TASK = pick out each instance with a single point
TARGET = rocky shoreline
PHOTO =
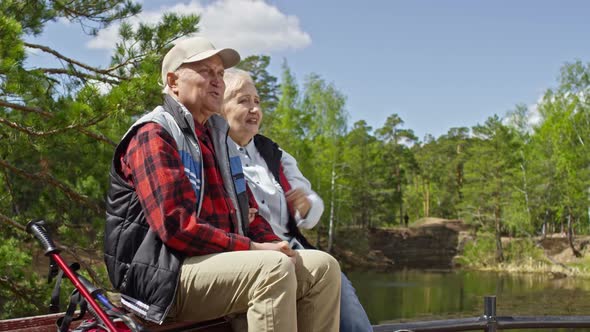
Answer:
(434, 244)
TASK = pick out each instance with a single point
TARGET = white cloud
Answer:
(33, 51)
(249, 26)
(106, 38)
(534, 115)
(103, 88)
(64, 21)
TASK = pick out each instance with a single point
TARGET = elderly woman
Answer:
(283, 194)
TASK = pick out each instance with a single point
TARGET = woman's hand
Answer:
(297, 202)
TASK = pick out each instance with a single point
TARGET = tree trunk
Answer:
(570, 234)
(318, 235)
(545, 229)
(331, 227)
(427, 199)
(319, 226)
(459, 172)
(499, 250)
(14, 203)
(525, 188)
(398, 190)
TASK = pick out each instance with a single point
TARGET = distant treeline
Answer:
(524, 173)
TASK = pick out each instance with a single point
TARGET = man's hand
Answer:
(297, 201)
(282, 246)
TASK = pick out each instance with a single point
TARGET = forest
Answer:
(521, 173)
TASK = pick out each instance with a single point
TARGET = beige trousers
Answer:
(275, 294)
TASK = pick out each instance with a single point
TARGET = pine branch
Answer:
(98, 14)
(31, 132)
(10, 190)
(50, 180)
(132, 60)
(83, 263)
(71, 12)
(7, 220)
(109, 71)
(20, 128)
(72, 61)
(27, 109)
(98, 137)
(21, 293)
(80, 75)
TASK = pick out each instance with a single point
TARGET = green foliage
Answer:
(59, 126)
(397, 161)
(288, 125)
(479, 252)
(22, 292)
(360, 206)
(505, 174)
(490, 176)
(517, 221)
(522, 251)
(438, 179)
(266, 84)
(560, 147)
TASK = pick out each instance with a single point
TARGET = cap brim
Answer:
(229, 57)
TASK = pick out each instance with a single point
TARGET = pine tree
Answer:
(489, 175)
(58, 128)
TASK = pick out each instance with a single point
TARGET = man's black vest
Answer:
(140, 265)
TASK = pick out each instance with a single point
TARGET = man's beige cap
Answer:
(196, 49)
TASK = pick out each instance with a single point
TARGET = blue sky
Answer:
(438, 64)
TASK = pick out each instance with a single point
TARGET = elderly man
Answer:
(178, 242)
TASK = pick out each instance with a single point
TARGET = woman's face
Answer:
(243, 112)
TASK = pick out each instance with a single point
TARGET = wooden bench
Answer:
(46, 323)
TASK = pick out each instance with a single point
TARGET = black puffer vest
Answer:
(270, 152)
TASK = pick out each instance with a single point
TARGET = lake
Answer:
(430, 295)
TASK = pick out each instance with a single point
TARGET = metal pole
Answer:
(489, 313)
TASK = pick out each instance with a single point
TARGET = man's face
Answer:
(199, 87)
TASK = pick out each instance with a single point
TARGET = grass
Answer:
(521, 255)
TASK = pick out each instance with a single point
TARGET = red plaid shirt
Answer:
(152, 165)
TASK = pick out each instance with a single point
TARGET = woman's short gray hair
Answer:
(235, 79)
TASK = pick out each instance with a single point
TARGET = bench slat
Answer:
(46, 323)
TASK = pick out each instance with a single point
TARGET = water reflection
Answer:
(420, 295)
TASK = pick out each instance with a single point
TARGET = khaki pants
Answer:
(275, 294)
